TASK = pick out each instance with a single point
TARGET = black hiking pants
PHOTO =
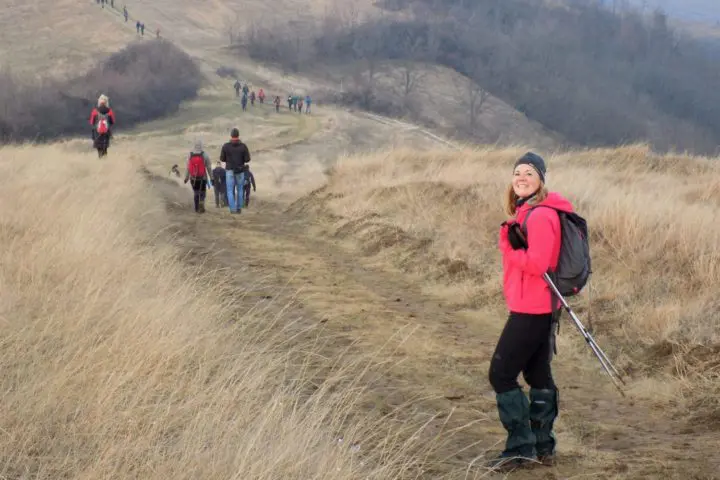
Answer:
(525, 345)
(246, 194)
(220, 194)
(199, 186)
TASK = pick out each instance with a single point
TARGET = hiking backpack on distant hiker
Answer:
(196, 165)
(102, 126)
(574, 265)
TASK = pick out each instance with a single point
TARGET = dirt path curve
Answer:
(441, 365)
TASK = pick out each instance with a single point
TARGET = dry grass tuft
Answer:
(119, 361)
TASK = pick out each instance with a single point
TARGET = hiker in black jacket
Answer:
(249, 180)
(219, 183)
(235, 155)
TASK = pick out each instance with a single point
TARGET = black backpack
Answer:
(574, 265)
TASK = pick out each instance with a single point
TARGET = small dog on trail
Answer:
(175, 170)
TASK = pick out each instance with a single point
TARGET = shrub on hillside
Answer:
(144, 81)
(227, 72)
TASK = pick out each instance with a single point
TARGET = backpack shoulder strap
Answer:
(525, 220)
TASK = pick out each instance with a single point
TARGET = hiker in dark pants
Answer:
(125, 13)
(527, 341)
(198, 173)
(219, 182)
(249, 180)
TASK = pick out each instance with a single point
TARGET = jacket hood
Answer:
(554, 200)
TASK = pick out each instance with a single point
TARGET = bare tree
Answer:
(366, 46)
(473, 96)
(411, 76)
(411, 71)
(232, 29)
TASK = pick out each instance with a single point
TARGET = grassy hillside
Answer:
(60, 37)
(120, 360)
(655, 243)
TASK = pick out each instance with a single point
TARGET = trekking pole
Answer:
(607, 365)
(604, 360)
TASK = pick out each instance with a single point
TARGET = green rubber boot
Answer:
(514, 410)
(543, 411)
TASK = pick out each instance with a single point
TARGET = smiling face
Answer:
(526, 181)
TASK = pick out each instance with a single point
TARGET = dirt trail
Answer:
(444, 360)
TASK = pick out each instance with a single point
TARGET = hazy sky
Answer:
(698, 10)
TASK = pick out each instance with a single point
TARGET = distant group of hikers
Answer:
(231, 178)
(139, 26)
(295, 102)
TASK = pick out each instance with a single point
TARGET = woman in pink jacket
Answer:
(526, 343)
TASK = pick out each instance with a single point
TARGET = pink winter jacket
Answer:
(523, 284)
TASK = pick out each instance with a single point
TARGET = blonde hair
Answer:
(103, 99)
(511, 198)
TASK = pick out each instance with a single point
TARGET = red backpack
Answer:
(103, 124)
(196, 165)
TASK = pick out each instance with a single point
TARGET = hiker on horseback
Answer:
(102, 119)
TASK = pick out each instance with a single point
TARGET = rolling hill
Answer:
(342, 326)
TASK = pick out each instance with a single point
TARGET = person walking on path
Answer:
(102, 120)
(234, 155)
(197, 171)
(249, 180)
(526, 344)
(220, 185)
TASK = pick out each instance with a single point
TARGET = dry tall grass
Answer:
(655, 238)
(120, 362)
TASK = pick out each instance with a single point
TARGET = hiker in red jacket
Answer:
(527, 342)
(102, 119)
